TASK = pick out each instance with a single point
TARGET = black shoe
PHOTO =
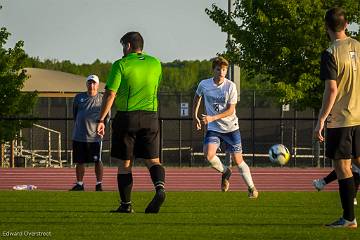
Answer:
(156, 202)
(77, 187)
(98, 187)
(123, 208)
(225, 184)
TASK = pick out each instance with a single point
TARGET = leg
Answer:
(210, 154)
(99, 170)
(157, 173)
(346, 187)
(245, 173)
(356, 174)
(215, 162)
(125, 183)
(340, 147)
(319, 184)
(80, 157)
(80, 172)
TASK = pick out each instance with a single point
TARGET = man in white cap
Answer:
(87, 144)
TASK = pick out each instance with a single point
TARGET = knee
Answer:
(209, 156)
(124, 167)
(152, 162)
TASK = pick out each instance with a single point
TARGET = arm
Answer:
(328, 101)
(228, 112)
(196, 105)
(107, 102)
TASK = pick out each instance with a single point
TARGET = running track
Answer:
(177, 179)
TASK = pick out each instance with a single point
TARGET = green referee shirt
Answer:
(135, 78)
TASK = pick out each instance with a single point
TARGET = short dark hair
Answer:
(135, 39)
(335, 19)
(219, 61)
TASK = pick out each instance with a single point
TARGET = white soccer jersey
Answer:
(216, 99)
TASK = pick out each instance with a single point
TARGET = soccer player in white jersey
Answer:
(220, 98)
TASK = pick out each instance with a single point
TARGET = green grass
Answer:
(185, 215)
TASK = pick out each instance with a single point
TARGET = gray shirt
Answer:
(86, 111)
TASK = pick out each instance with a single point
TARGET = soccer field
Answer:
(184, 215)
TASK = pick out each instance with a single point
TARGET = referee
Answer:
(133, 84)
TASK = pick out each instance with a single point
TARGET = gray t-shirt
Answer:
(86, 111)
(216, 100)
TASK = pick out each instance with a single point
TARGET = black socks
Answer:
(157, 173)
(356, 182)
(331, 177)
(125, 183)
(346, 190)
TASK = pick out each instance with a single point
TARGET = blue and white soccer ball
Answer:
(279, 154)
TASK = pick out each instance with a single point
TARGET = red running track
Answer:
(177, 179)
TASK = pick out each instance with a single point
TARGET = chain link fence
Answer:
(262, 122)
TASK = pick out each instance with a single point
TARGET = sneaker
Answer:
(225, 180)
(123, 208)
(156, 202)
(77, 187)
(319, 184)
(253, 192)
(98, 187)
(343, 223)
(355, 202)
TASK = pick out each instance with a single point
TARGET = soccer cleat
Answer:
(355, 202)
(156, 202)
(77, 187)
(98, 187)
(343, 223)
(253, 193)
(319, 184)
(123, 208)
(225, 180)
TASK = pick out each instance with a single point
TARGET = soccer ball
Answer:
(279, 154)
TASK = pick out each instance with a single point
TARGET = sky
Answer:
(85, 30)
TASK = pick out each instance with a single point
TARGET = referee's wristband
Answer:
(100, 121)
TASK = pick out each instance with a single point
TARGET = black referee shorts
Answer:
(343, 143)
(135, 135)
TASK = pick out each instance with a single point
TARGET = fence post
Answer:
(49, 150)
(316, 145)
(295, 137)
(253, 127)
(12, 154)
(180, 161)
(59, 150)
(161, 141)
(281, 125)
(2, 155)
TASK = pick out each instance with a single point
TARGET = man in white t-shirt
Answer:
(220, 98)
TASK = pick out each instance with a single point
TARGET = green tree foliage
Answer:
(12, 77)
(178, 76)
(97, 67)
(183, 76)
(283, 41)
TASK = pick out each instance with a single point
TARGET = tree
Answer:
(282, 40)
(13, 102)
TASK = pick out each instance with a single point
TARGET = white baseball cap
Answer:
(93, 78)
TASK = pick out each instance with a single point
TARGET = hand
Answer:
(318, 131)
(206, 119)
(197, 124)
(100, 129)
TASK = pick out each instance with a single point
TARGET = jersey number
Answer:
(216, 107)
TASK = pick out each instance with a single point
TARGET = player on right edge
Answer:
(220, 98)
(340, 69)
